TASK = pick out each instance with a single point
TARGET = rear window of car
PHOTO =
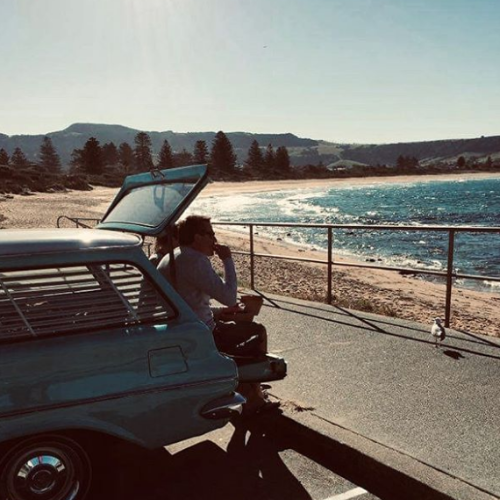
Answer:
(52, 301)
(149, 205)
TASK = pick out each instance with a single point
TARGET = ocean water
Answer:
(447, 203)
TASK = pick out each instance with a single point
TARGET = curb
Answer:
(381, 470)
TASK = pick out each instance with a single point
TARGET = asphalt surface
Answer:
(237, 462)
(382, 379)
(259, 465)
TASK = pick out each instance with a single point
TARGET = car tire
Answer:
(46, 467)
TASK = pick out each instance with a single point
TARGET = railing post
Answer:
(329, 293)
(252, 272)
(449, 277)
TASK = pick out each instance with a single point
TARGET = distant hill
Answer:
(75, 136)
(428, 150)
(302, 151)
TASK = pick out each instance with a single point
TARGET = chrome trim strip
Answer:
(225, 407)
(112, 397)
(77, 250)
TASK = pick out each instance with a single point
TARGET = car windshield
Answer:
(150, 205)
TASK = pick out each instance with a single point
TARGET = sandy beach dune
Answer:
(378, 291)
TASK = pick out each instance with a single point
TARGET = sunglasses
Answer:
(208, 233)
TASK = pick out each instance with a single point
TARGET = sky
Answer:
(346, 71)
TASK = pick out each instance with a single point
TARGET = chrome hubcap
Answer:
(57, 469)
(41, 474)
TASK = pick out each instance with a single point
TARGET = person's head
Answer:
(167, 241)
(196, 232)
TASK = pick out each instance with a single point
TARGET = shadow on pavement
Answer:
(453, 354)
(250, 468)
(371, 326)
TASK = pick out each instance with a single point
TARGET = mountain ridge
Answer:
(302, 151)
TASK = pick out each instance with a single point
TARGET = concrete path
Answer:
(381, 379)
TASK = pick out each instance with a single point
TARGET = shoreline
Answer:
(382, 292)
(248, 187)
(389, 293)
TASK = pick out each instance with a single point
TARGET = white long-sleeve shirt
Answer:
(197, 282)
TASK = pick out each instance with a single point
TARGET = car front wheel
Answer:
(45, 468)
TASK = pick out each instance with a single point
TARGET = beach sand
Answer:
(381, 292)
(225, 188)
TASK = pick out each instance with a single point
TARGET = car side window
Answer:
(65, 300)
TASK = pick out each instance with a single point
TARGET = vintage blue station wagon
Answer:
(96, 344)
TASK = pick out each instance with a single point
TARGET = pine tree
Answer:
(166, 156)
(90, 157)
(110, 154)
(200, 153)
(76, 162)
(269, 159)
(255, 159)
(126, 157)
(18, 158)
(142, 152)
(461, 162)
(4, 157)
(183, 158)
(282, 162)
(222, 157)
(48, 156)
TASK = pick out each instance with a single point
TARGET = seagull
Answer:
(438, 332)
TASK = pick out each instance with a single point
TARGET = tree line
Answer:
(95, 159)
(49, 158)
(108, 164)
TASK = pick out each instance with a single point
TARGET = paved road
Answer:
(233, 463)
(382, 378)
(376, 379)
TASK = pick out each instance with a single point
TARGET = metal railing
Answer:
(449, 273)
(84, 222)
